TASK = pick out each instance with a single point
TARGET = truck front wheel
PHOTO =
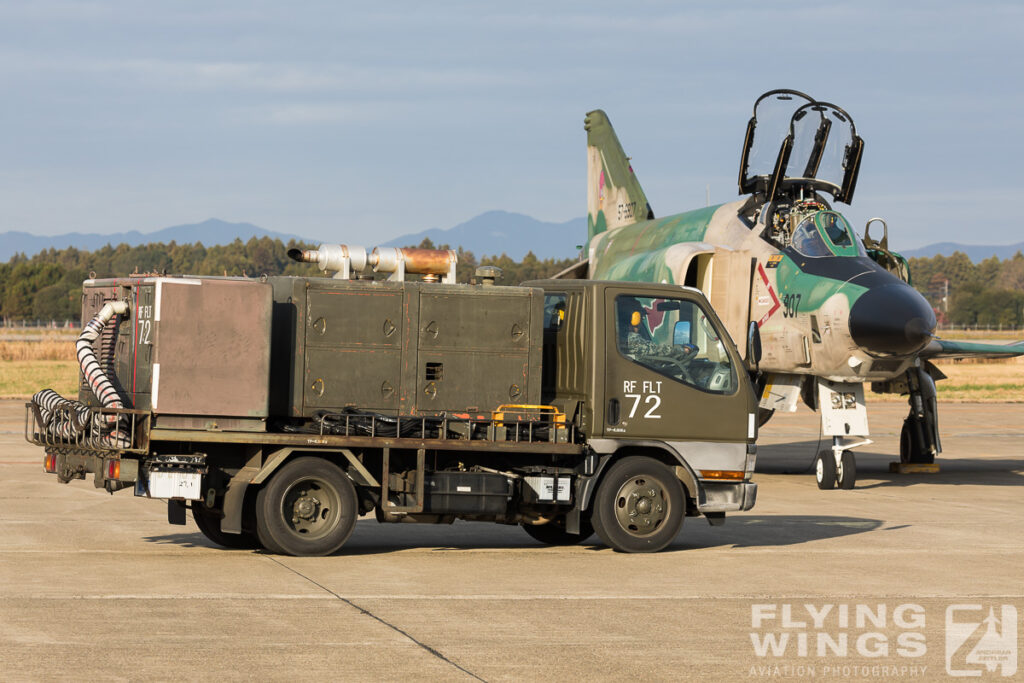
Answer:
(639, 506)
(309, 507)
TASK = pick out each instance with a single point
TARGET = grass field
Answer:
(45, 349)
(981, 335)
(22, 378)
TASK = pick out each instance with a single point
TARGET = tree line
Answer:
(48, 286)
(966, 293)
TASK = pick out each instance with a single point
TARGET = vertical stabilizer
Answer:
(614, 195)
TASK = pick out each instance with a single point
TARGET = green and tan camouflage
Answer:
(832, 315)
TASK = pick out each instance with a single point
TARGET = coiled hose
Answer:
(63, 417)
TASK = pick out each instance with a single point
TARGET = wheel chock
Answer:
(914, 468)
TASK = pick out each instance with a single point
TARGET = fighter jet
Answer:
(835, 310)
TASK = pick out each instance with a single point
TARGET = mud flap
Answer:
(176, 512)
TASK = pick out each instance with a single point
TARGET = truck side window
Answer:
(675, 338)
(554, 311)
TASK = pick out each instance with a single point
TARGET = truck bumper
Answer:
(726, 497)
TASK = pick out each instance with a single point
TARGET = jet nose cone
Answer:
(892, 320)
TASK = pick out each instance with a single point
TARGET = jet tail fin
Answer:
(614, 195)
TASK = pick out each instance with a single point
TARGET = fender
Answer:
(234, 498)
(606, 448)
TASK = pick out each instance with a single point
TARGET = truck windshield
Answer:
(675, 338)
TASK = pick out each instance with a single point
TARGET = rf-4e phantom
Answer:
(834, 310)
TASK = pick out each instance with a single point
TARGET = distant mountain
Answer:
(490, 233)
(514, 234)
(494, 232)
(209, 232)
(975, 252)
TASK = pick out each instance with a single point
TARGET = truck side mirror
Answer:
(754, 345)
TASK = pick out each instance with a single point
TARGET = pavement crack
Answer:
(370, 614)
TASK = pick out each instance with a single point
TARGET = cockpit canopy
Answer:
(794, 141)
(826, 233)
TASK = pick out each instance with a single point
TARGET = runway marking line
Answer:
(330, 595)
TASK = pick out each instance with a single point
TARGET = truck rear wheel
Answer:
(208, 522)
(309, 507)
(639, 506)
(554, 533)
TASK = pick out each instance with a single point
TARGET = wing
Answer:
(939, 348)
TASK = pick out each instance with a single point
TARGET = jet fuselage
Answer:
(831, 312)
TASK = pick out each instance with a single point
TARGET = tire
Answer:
(208, 522)
(825, 470)
(763, 416)
(911, 448)
(846, 475)
(554, 533)
(309, 507)
(639, 506)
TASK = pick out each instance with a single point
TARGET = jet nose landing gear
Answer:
(837, 466)
(844, 417)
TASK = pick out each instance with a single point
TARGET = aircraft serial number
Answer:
(627, 211)
(791, 302)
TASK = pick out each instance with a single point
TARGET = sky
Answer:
(360, 122)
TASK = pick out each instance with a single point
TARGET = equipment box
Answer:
(470, 493)
(191, 346)
(405, 348)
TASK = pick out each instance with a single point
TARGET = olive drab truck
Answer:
(280, 409)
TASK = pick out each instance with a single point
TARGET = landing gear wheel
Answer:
(846, 475)
(309, 507)
(554, 533)
(208, 522)
(639, 506)
(912, 450)
(825, 470)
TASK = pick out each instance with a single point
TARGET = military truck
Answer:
(280, 409)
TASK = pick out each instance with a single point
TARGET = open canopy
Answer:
(794, 141)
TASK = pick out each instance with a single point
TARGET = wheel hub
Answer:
(641, 506)
(307, 507)
(311, 507)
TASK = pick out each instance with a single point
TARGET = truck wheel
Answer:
(554, 533)
(309, 507)
(639, 506)
(208, 522)
(846, 475)
(825, 470)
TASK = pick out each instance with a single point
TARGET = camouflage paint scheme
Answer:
(830, 306)
(625, 246)
(649, 252)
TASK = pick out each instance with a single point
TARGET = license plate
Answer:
(175, 485)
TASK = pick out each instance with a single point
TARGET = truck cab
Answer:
(649, 368)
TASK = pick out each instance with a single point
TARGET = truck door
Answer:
(671, 371)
